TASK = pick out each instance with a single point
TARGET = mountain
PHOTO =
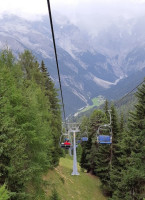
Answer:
(107, 64)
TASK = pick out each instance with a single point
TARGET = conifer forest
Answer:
(30, 126)
(30, 130)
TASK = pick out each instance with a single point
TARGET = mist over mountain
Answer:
(108, 64)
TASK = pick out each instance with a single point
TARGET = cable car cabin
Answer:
(104, 139)
(79, 141)
(104, 133)
(66, 144)
(84, 139)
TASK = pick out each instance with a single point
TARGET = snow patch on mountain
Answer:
(80, 96)
(103, 83)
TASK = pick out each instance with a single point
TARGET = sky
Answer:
(84, 13)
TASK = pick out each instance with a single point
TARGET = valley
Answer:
(72, 122)
(107, 64)
(98, 101)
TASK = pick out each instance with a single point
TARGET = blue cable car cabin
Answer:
(104, 139)
(78, 141)
(84, 139)
(104, 133)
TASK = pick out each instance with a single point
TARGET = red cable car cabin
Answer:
(66, 144)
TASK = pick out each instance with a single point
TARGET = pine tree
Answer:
(85, 145)
(30, 67)
(7, 57)
(79, 152)
(54, 195)
(89, 160)
(52, 95)
(50, 91)
(12, 143)
(106, 108)
(121, 125)
(27, 127)
(4, 194)
(131, 183)
(116, 135)
(114, 153)
(136, 157)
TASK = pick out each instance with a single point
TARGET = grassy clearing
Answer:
(83, 187)
(97, 101)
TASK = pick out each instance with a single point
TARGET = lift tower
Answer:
(73, 128)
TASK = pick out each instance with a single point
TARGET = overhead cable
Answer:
(56, 57)
(130, 91)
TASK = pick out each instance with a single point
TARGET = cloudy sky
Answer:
(85, 13)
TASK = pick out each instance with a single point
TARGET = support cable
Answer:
(129, 92)
(56, 57)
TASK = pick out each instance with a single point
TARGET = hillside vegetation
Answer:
(123, 106)
(120, 165)
(83, 187)
(30, 126)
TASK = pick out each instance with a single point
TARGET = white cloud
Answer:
(88, 14)
(93, 15)
(40, 6)
(24, 8)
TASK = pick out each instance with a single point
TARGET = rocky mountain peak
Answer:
(89, 66)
